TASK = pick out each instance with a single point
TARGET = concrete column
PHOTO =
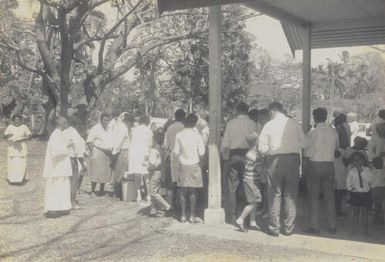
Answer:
(306, 88)
(215, 214)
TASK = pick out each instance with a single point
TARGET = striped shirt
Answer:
(254, 164)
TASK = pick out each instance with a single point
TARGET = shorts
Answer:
(252, 191)
(360, 199)
(378, 194)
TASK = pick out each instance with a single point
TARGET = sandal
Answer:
(183, 220)
(196, 220)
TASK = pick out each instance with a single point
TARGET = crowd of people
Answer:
(262, 151)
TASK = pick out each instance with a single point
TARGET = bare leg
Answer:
(182, 194)
(250, 208)
(193, 201)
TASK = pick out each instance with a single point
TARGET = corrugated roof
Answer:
(334, 23)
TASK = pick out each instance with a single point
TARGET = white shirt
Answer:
(120, 137)
(236, 133)
(77, 144)
(353, 180)
(17, 133)
(171, 133)
(378, 178)
(57, 161)
(140, 146)
(323, 142)
(281, 135)
(189, 146)
(100, 138)
(376, 144)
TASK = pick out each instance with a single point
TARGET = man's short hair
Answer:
(381, 114)
(243, 108)
(104, 114)
(320, 114)
(180, 115)
(191, 121)
(275, 106)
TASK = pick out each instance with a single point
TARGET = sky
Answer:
(268, 32)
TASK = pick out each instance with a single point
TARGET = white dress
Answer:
(17, 152)
(57, 171)
(140, 145)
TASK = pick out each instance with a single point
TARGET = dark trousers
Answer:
(321, 180)
(282, 184)
(235, 172)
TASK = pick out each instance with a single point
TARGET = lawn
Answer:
(107, 230)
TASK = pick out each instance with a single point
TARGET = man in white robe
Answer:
(57, 171)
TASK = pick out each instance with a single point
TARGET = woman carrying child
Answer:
(358, 183)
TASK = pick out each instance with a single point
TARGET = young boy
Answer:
(378, 189)
(359, 145)
(156, 174)
(251, 183)
(358, 183)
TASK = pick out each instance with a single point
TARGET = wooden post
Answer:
(306, 88)
(215, 214)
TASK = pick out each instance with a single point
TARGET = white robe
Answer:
(57, 171)
(140, 145)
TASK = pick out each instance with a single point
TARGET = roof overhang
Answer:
(333, 23)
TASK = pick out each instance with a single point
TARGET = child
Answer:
(156, 174)
(251, 184)
(358, 184)
(359, 145)
(378, 189)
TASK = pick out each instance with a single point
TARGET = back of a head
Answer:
(381, 114)
(180, 115)
(360, 142)
(144, 120)
(191, 121)
(253, 114)
(320, 114)
(275, 106)
(242, 108)
(340, 119)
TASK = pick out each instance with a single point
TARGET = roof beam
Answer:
(172, 5)
(270, 10)
(367, 22)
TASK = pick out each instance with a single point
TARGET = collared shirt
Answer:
(323, 142)
(77, 146)
(100, 138)
(353, 183)
(237, 131)
(16, 147)
(189, 146)
(171, 133)
(281, 135)
(378, 178)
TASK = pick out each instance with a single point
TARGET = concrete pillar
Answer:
(306, 88)
(215, 214)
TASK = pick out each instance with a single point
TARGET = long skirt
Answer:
(121, 166)
(100, 166)
(58, 194)
(190, 176)
(17, 166)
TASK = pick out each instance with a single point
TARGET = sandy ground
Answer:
(109, 230)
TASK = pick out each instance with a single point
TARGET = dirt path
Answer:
(108, 230)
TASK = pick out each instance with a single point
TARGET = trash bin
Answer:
(128, 187)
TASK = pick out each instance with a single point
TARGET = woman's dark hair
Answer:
(360, 142)
(144, 120)
(180, 115)
(191, 121)
(104, 114)
(320, 114)
(340, 119)
(253, 114)
(17, 116)
(158, 137)
(275, 106)
(378, 163)
(243, 108)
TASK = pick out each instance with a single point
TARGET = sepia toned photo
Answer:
(192, 130)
